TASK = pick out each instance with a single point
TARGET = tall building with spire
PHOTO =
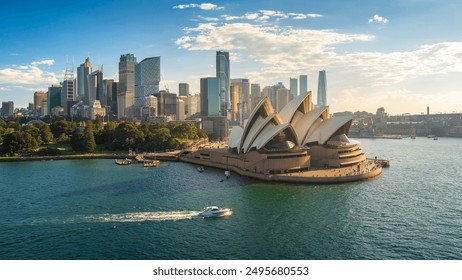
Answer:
(68, 90)
(223, 74)
(126, 86)
(322, 89)
(82, 79)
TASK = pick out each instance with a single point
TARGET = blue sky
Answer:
(403, 55)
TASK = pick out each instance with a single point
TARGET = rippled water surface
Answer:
(93, 209)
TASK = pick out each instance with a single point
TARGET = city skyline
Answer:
(400, 55)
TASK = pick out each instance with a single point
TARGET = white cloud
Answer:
(303, 16)
(48, 62)
(31, 74)
(203, 6)
(265, 15)
(377, 18)
(208, 18)
(277, 53)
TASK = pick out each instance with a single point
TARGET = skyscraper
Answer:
(82, 73)
(126, 90)
(241, 88)
(210, 97)
(273, 94)
(293, 87)
(54, 97)
(322, 89)
(183, 89)
(39, 96)
(95, 87)
(166, 103)
(222, 71)
(255, 94)
(68, 90)
(7, 109)
(303, 84)
(147, 79)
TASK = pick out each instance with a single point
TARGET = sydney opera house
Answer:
(298, 144)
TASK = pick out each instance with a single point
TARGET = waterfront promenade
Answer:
(364, 170)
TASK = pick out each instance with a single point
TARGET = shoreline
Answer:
(66, 157)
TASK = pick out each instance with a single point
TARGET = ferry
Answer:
(123, 161)
(214, 212)
(151, 163)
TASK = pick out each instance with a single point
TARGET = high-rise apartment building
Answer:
(273, 94)
(210, 97)
(303, 84)
(7, 109)
(322, 89)
(108, 92)
(282, 98)
(183, 89)
(39, 96)
(293, 87)
(195, 104)
(95, 87)
(67, 95)
(82, 75)
(255, 94)
(147, 79)
(54, 98)
(166, 103)
(126, 90)
(241, 93)
(223, 74)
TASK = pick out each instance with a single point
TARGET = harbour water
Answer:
(93, 209)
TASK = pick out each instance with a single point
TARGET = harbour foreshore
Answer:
(65, 157)
(364, 170)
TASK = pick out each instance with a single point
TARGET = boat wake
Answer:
(133, 217)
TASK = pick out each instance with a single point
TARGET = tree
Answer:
(17, 142)
(77, 140)
(127, 136)
(89, 140)
(34, 132)
(83, 140)
(45, 133)
(62, 126)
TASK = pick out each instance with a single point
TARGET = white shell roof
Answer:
(289, 110)
(270, 134)
(259, 129)
(253, 118)
(326, 129)
(235, 137)
(304, 125)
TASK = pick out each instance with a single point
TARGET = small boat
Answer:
(200, 169)
(123, 161)
(214, 212)
(151, 163)
(435, 138)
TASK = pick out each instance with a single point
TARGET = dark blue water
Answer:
(93, 209)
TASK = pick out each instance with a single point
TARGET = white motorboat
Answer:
(215, 212)
(200, 169)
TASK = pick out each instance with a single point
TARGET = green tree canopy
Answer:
(18, 142)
